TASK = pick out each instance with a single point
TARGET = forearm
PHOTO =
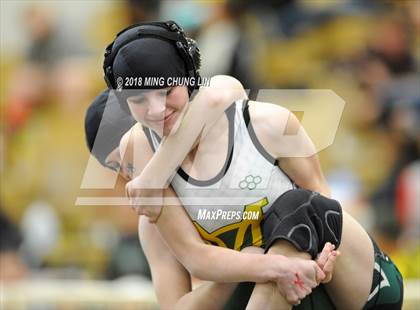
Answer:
(218, 264)
(213, 263)
(173, 149)
(212, 295)
(206, 108)
(207, 296)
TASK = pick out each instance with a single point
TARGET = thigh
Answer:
(240, 296)
(308, 221)
(352, 279)
(318, 299)
(387, 285)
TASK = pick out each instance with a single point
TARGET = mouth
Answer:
(167, 117)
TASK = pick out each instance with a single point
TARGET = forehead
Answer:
(136, 94)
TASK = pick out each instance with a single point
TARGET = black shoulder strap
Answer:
(149, 137)
(245, 112)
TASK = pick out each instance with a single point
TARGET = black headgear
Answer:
(105, 124)
(164, 40)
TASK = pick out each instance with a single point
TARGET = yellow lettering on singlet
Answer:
(241, 227)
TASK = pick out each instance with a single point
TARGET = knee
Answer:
(304, 219)
(284, 247)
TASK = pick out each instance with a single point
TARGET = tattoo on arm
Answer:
(130, 169)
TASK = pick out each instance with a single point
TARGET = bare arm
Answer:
(220, 264)
(207, 106)
(172, 281)
(286, 140)
(304, 171)
(216, 263)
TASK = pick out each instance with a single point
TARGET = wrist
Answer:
(148, 181)
(275, 264)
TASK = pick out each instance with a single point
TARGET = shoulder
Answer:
(222, 90)
(272, 125)
(133, 138)
(225, 81)
(269, 119)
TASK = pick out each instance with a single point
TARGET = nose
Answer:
(156, 107)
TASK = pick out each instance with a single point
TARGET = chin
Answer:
(174, 124)
(169, 131)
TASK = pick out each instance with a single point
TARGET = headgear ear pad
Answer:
(154, 49)
(105, 124)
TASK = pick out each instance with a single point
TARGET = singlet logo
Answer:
(238, 235)
(250, 182)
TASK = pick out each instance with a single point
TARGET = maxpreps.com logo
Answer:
(250, 182)
(309, 105)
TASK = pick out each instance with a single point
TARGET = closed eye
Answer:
(165, 93)
(137, 100)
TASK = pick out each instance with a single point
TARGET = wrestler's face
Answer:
(159, 109)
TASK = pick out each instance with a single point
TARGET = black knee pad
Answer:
(306, 219)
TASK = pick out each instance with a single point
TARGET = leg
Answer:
(351, 283)
(352, 279)
(266, 295)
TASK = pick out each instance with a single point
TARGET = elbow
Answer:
(194, 260)
(198, 271)
(222, 89)
(323, 188)
(326, 192)
(226, 81)
(193, 267)
(194, 271)
(214, 99)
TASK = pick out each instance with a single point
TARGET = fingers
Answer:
(292, 297)
(301, 294)
(329, 266)
(127, 193)
(320, 275)
(326, 261)
(136, 201)
(140, 210)
(157, 211)
(308, 274)
(152, 212)
(145, 210)
(314, 275)
(297, 293)
(323, 256)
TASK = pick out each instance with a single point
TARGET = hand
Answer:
(297, 277)
(144, 200)
(326, 261)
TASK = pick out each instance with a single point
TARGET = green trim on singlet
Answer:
(387, 286)
(386, 292)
